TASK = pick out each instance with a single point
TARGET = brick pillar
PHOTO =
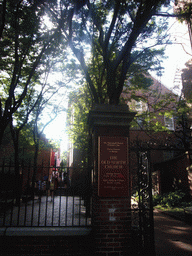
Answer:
(111, 199)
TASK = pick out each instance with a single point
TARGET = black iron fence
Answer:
(142, 225)
(44, 196)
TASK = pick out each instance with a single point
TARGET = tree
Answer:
(118, 33)
(77, 126)
(45, 100)
(64, 159)
(16, 128)
(185, 109)
(187, 80)
(185, 7)
(25, 43)
(156, 105)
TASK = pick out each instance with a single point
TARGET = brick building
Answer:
(154, 127)
(167, 150)
(46, 160)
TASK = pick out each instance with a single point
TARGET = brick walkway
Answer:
(62, 211)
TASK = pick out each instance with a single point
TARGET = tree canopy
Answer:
(25, 42)
(118, 39)
(115, 42)
(126, 40)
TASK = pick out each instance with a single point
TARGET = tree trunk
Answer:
(111, 86)
(114, 100)
(18, 176)
(2, 130)
(18, 179)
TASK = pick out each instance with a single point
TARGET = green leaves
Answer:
(25, 48)
(118, 35)
(77, 125)
(140, 81)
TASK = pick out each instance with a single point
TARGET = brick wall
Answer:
(111, 219)
(46, 245)
(174, 171)
(111, 224)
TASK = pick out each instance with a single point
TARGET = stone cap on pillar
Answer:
(110, 115)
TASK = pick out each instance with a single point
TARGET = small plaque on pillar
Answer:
(113, 166)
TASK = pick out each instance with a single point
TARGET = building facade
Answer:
(155, 128)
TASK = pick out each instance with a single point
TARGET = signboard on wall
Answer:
(113, 166)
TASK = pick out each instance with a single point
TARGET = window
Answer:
(168, 155)
(169, 122)
(138, 106)
(140, 122)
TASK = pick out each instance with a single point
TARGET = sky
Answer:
(57, 130)
(178, 54)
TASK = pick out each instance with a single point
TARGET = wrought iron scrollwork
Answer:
(142, 216)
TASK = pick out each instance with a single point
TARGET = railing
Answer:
(140, 228)
(28, 200)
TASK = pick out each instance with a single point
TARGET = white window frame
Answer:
(138, 106)
(169, 123)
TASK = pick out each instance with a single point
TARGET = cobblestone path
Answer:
(61, 211)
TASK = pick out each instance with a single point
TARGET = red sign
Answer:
(113, 166)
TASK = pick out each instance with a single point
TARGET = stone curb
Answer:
(44, 231)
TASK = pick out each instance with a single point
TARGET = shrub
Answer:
(171, 199)
(157, 199)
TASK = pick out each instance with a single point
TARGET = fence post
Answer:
(111, 203)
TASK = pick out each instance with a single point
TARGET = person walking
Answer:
(40, 188)
(52, 188)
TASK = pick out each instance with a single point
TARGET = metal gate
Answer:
(55, 196)
(142, 212)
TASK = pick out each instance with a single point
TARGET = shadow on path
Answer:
(172, 237)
